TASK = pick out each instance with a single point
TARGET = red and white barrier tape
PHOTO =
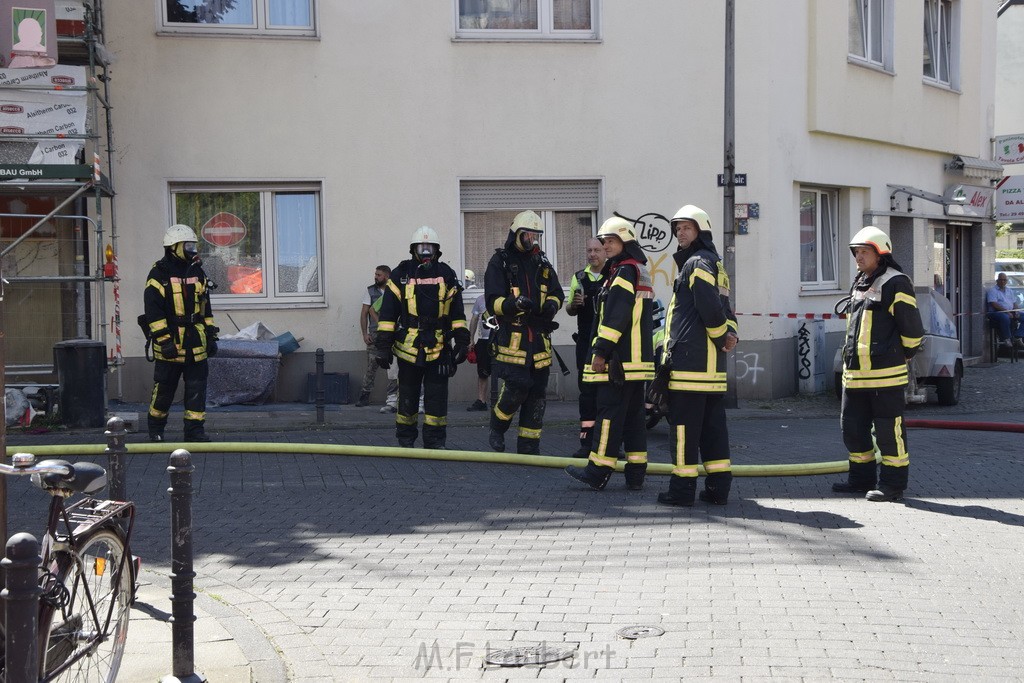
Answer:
(799, 316)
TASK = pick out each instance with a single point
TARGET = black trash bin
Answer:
(81, 375)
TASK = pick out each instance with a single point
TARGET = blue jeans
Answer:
(1003, 322)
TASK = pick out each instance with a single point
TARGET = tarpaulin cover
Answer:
(243, 372)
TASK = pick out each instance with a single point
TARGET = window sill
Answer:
(938, 85)
(531, 39)
(251, 34)
(871, 66)
(820, 290)
(251, 304)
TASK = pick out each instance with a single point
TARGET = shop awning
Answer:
(973, 167)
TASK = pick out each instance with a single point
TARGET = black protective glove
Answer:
(168, 350)
(384, 358)
(212, 337)
(524, 304)
(459, 354)
(550, 310)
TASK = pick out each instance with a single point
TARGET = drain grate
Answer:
(524, 656)
(634, 632)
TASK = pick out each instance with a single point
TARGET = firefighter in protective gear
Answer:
(582, 304)
(621, 360)
(523, 293)
(423, 323)
(180, 323)
(883, 332)
(700, 330)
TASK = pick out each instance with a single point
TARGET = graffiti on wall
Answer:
(803, 352)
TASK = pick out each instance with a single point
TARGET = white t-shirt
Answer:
(480, 311)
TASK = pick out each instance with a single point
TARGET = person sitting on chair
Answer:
(1001, 304)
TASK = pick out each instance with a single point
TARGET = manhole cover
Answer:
(634, 632)
(524, 656)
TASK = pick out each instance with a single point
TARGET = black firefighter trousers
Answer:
(166, 375)
(411, 378)
(882, 410)
(524, 390)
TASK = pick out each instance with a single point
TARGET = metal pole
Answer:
(319, 386)
(182, 596)
(729, 203)
(116, 450)
(3, 390)
(21, 608)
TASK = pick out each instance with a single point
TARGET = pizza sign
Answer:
(224, 230)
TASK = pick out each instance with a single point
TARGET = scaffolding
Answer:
(58, 236)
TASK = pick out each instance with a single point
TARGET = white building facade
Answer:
(311, 137)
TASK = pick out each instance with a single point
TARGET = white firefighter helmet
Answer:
(695, 214)
(527, 220)
(619, 227)
(179, 233)
(870, 236)
(425, 235)
(469, 278)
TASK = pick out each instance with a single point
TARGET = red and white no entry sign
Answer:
(224, 230)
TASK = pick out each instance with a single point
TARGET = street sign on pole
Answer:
(738, 179)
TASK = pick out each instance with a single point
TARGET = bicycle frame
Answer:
(68, 527)
(79, 519)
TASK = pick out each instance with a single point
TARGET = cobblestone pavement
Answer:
(357, 568)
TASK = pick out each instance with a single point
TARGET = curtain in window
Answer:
(498, 14)
(808, 237)
(572, 230)
(485, 231)
(856, 33)
(828, 239)
(289, 13)
(298, 261)
(571, 15)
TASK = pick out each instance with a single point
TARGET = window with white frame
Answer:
(871, 30)
(819, 237)
(567, 207)
(263, 17)
(526, 19)
(261, 245)
(941, 42)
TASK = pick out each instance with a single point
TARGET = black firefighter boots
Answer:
(884, 494)
(847, 487)
(716, 492)
(497, 440)
(681, 491)
(635, 473)
(594, 476)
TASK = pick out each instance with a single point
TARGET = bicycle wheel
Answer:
(94, 620)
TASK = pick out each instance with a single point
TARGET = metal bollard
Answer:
(319, 386)
(21, 608)
(182, 595)
(116, 450)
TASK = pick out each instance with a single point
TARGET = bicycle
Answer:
(87, 575)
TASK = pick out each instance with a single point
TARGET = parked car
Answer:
(1009, 266)
(938, 368)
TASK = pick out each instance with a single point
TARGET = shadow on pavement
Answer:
(979, 512)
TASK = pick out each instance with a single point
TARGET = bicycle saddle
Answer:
(85, 477)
